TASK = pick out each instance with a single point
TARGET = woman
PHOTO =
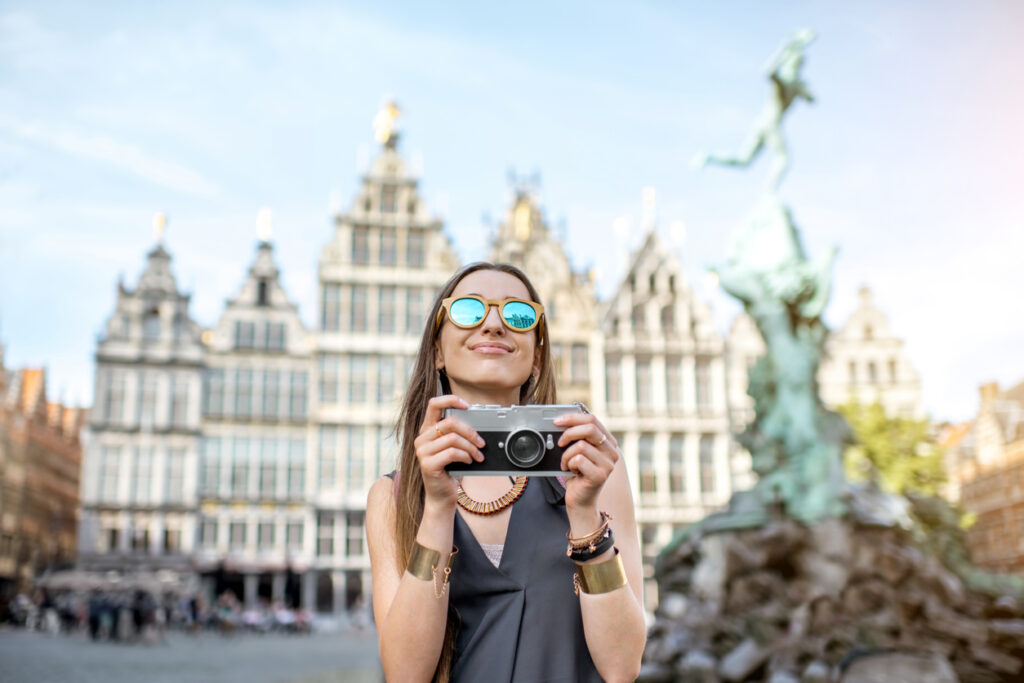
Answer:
(463, 590)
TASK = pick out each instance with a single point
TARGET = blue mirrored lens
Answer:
(467, 312)
(518, 315)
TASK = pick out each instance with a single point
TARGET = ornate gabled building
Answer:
(139, 488)
(255, 529)
(525, 240)
(40, 462)
(378, 275)
(665, 391)
(991, 482)
(864, 362)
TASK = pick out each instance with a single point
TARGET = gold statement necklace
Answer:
(490, 507)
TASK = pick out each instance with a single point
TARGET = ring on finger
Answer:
(603, 439)
(437, 428)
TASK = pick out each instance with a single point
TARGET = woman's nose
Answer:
(492, 321)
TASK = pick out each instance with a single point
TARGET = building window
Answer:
(639, 324)
(644, 388)
(357, 367)
(388, 255)
(268, 470)
(645, 462)
(388, 199)
(703, 378)
(360, 245)
(243, 393)
(263, 292)
(674, 382)
(853, 372)
(172, 540)
(140, 540)
(296, 467)
(330, 308)
(414, 311)
(179, 402)
(151, 325)
(707, 464)
(271, 394)
(386, 309)
(676, 464)
(329, 379)
(114, 408)
(245, 334)
(358, 319)
(869, 333)
(354, 535)
(275, 336)
(580, 364)
(240, 469)
(325, 534)
(328, 458)
(872, 373)
(293, 536)
(110, 464)
(355, 458)
(385, 379)
(265, 535)
(668, 319)
(174, 481)
(214, 392)
(143, 475)
(208, 532)
(297, 407)
(613, 381)
(209, 472)
(236, 535)
(415, 255)
(892, 371)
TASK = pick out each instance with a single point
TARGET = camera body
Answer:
(518, 439)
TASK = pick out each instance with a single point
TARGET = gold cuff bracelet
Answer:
(600, 578)
(423, 564)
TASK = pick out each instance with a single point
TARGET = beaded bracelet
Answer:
(592, 551)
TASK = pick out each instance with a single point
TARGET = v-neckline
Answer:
(501, 566)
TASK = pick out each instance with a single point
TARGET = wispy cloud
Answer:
(115, 153)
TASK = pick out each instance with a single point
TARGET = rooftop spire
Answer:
(385, 124)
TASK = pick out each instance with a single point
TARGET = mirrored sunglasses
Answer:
(469, 311)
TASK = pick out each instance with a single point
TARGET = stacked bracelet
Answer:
(602, 577)
(586, 546)
(423, 564)
(592, 550)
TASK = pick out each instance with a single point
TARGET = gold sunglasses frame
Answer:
(499, 303)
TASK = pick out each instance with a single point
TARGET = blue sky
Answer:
(911, 160)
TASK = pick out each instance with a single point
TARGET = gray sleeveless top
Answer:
(520, 621)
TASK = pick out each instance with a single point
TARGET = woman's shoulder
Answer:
(384, 490)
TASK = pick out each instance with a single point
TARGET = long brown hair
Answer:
(423, 385)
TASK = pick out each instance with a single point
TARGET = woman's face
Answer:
(488, 363)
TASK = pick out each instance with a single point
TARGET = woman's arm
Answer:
(613, 622)
(410, 618)
(411, 612)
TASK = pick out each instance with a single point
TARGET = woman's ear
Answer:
(438, 358)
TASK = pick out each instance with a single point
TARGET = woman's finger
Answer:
(436, 406)
(588, 432)
(587, 450)
(451, 440)
(437, 462)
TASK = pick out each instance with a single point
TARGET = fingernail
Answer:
(480, 441)
(559, 420)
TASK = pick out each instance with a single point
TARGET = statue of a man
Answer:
(786, 86)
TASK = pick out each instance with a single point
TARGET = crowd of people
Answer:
(136, 615)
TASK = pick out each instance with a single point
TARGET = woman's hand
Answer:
(592, 457)
(444, 441)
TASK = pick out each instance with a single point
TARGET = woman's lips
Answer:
(490, 347)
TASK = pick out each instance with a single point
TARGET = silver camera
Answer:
(518, 439)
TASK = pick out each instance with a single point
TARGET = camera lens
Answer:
(524, 448)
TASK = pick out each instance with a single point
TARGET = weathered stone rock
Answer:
(651, 672)
(831, 539)
(996, 660)
(708, 579)
(816, 672)
(697, 666)
(947, 622)
(783, 677)
(744, 659)
(825, 576)
(1007, 632)
(897, 667)
(673, 606)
